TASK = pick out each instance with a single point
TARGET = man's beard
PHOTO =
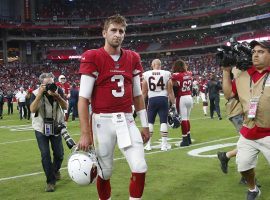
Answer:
(115, 44)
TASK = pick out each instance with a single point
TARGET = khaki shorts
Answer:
(248, 150)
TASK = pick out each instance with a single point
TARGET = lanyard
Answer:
(263, 86)
(52, 107)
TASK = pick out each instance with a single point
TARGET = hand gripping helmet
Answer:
(82, 167)
(174, 120)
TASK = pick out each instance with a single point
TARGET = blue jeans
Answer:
(49, 167)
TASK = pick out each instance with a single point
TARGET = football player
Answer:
(157, 85)
(182, 78)
(65, 86)
(202, 88)
(110, 77)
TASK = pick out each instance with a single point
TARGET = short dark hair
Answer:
(117, 19)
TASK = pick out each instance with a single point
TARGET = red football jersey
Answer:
(184, 80)
(202, 85)
(113, 86)
(64, 86)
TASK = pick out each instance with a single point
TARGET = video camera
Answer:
(62, 129)
(51, 86)
(238, 54)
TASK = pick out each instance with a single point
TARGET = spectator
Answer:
(9, 98)
(73, 102)
(1, 104)
(213, 88)
(20, 96)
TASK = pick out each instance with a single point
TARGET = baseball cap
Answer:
(263, 43)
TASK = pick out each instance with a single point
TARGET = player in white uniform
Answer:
(157, 85)
(195, 91)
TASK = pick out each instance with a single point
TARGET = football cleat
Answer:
(165, 147)
(148, 147)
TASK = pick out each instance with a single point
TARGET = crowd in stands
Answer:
(141, 10)
(15, 75)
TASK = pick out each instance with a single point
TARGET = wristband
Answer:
(143, 117)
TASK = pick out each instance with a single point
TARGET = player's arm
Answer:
(170, 92)
(139, 105)
(144, 88)
(227, 83)
(85, 93)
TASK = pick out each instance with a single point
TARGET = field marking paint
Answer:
(197, 152)
(26, 127)
(26, 140)
(121, 158)
(18, 128)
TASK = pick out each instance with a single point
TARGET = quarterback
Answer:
(110, 77)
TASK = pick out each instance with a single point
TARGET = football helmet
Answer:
(174, 120)
(62, 79)
(82, 167)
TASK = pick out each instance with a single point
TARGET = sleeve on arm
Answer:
(88, 63)
(86, 86)
(138, 69)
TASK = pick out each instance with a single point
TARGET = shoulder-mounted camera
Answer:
(238, 54)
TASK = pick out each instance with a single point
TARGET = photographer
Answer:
(253, 89)
(47, 106)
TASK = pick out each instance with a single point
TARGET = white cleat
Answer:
(147, 148)
(165, 147)
(177, 144)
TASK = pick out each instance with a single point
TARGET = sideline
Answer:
(121, 158)
(27, 140)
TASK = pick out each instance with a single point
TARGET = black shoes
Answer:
(185, 142)
(50, 187)
(223, 161)
(253, 195)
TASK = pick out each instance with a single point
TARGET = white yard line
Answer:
(27, 140)
(121, 158)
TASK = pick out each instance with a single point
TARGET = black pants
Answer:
(1, 110)
(10, 107)
(22, 110)
(214, 106)
(28, 111)
(50, 166)
(73, 105)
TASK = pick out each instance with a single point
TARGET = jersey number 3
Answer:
(120, 91)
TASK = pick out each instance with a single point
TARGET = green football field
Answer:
(190, 173)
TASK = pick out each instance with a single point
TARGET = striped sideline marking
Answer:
(121, 158)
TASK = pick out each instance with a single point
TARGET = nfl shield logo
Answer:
(119, 116)
(117, 65)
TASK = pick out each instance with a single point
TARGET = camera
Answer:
(62, 129)
(51, 86)
(238, 54)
